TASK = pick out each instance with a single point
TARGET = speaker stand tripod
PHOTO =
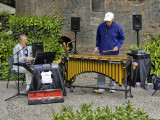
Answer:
(75, 39)
(137, 37)
(18, 79)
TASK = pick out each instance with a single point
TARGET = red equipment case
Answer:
(45, 96)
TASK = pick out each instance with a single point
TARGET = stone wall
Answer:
(86, 38)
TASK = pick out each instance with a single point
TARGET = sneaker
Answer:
(112, 91)
(99, 91)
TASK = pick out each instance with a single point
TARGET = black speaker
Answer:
(137, 22)
(37, 47)
(75, 24)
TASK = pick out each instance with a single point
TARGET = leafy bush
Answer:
(9, 2)
(6, 50)
(39, 29)
(36, 27)
(4, 20)
(154, 48)
(124, 112)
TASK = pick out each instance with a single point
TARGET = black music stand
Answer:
(18, 78)
(45, 57)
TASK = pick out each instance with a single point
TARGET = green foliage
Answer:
(9, 2)
(4, 21)
(139, 47)
(6, 50)
(0, 26)
(38, 29)
(6, 44)
(154, 48)
(49, 44)
(123, 112)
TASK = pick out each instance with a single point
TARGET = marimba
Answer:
(116, 67)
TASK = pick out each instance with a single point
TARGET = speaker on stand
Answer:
(75, 27)
(37, 47)
(137, 25)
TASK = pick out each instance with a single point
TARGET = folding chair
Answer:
(11, 71)
(156, 81)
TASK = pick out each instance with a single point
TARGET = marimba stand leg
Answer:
(127, 90)
(68, 85)
(71, 89)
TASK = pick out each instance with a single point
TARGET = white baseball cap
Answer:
(109, 16)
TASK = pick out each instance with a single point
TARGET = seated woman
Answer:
(25, 55)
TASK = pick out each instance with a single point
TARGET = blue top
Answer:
(114, 38)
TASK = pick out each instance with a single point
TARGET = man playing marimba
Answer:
(109, 40)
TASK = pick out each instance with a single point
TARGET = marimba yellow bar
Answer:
(72, 68)
(66, 76)
(79, 67)
(120, 74)
(93, 66)
(110, 70)
(113, 71)
(101, 68)
(69, 71)
(90, 66)
(83, 66)
(104, 70)
(96, 68)
(107, 69)
(75, 66)
(116, 73)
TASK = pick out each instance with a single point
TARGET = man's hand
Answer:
(115, 49)
(29, 59)
(96, 49)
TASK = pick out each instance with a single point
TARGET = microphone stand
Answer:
(75, 52)
(75, 39)
(18, 78)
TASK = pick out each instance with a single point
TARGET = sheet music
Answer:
(46, 77)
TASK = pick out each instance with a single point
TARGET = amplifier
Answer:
(138, 51)
(139, 56)
(45, 96)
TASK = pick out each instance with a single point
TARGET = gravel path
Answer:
(17, 108)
